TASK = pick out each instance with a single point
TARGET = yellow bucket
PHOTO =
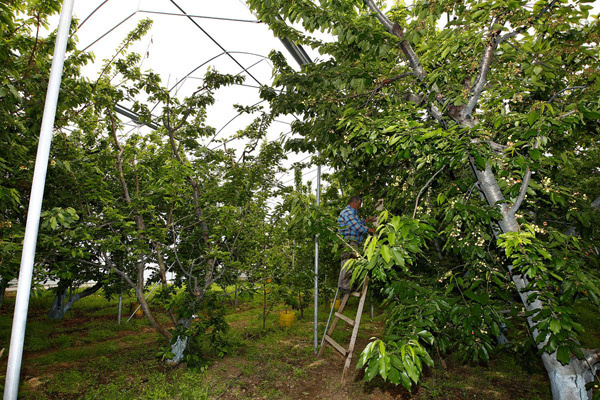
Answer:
(286, 318)
(337, 304)
(132, 308)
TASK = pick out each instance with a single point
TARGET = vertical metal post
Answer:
(120, 308)
(317, 264)
(17, 338)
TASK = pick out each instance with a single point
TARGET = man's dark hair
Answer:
(354, 199)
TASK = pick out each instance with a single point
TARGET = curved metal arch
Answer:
(214, 58)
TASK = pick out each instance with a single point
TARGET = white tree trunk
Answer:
(181, 344)
(567, 381)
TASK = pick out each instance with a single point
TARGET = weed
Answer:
(63, 341)
(99, 335)
(69, 382)
(298, 373)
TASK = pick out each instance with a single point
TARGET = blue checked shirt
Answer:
(350, 226)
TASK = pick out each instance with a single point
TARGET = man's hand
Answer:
(371, 230)
(370, 219)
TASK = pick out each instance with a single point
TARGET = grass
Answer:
(87, 355)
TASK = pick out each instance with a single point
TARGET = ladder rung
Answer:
(343, 317)
(356, 294)
(336, 345)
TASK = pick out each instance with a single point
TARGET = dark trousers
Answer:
(345, 275)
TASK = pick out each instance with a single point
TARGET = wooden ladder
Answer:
(355, 323)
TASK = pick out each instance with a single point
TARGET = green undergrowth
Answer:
(87, 355)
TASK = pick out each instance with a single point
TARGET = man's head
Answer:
(355, 202)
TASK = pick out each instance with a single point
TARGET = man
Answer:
(354, 230)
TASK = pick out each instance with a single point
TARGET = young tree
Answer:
(460, 97)
(167, 199)
(25, 59)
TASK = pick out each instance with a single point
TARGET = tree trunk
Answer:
(567, 381)
(163, 275)
(3, 285)
(180, 345)
(139, 221)
(139, 291)
(235, 300)
(60, 306)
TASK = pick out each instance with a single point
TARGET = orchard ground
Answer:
(88, 355)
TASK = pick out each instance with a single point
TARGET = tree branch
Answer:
(486, 59)
(397, 31)
(524, 28)
(484, 68)
(522, 192)
(86, 292)
(424, 188)
(113, 130)
(387, 82)
(395, 78)
(119, 272)
(596, 203)
(555, 95)
(567, 114)
(497, 147)
(385, 21)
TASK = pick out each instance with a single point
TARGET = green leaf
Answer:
(385, 253)
(563, 355)
(391, 238)
(427, 358)
(405, 380)
(593, 115)
(427, 336)
(395, 222)
(555, 326)
(405, 231)
(399, 260)
(394, 376)
(365, 355)
(535, 154)
(372, 370)
(371, 247)
(532, 117)
(396, 362)
(480, 162)
(411, 369)
(441, 198)
(384, 366)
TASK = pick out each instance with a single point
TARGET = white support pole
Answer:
(120, 308)
(317, 265)
(17, 337)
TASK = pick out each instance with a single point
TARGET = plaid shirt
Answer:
(350, 226)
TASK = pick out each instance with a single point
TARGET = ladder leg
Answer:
(329, 318)
(335, 321)
(361, 305)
